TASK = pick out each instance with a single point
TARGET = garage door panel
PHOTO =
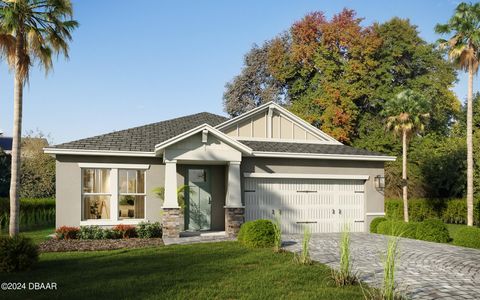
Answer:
(322, 205)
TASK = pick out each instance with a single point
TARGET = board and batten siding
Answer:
(373, 200)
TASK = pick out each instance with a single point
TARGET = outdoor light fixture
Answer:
(380, 182)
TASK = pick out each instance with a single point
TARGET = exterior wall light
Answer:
(380, 182)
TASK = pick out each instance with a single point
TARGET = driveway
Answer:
(425, 270)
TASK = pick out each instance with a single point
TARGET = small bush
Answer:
(375, 222)
(67, 233)
(149, 230)
(433, 230)
(91, 233)
(468, 237)
(257, 234)
(303, 258)
(125, 231)
(398, 228)
(17, 254)
(455, 212)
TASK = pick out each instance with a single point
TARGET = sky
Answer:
(134, 64)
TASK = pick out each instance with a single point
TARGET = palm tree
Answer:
(38, 28)
(463, 47)
(406, 115)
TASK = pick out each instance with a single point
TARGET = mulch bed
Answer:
(54, 245)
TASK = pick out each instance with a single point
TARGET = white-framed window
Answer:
(96, 194)
(131, 194)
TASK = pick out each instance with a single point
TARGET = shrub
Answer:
(398, 228)
(468, 237)
(277, 225)
(345, 276)
(92, 233)
(125, 231)
(303, 258)
(257, 234)
(375, 222)
(455, 212)
(33, 212)
(149, 230)
(17, 253)
(433, 230)
(67, 233)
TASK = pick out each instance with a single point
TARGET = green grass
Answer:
(38, 235)
(452, 229)
(224, 270)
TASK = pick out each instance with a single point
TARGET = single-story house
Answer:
(218, 173)
(5, 143)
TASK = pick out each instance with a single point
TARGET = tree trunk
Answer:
(404, 175)
(470, 147)
(16, 143)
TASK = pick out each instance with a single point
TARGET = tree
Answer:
(406, 115)
(463, 48)
(254, 86)
(39, 29)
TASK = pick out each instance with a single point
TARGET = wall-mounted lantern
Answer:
(380, 182)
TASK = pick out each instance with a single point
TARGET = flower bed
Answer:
(55, 245)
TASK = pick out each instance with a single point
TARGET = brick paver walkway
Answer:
(425, 270)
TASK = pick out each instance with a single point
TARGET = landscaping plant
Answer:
(398, 228)
(149, 230)
(125, 231)
(277, 247)
(303, 257)
(257, 234)
(433, 230)
(67, 233)
(17, 253)
(468, 237)
(389, 268)
(345, 276)
(375, 222)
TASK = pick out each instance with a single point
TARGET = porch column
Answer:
(171, 210)
(234, 210)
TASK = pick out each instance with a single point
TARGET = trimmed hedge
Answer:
(33, 212)
(398, 228)
(433, 230)
(149, 230)
(452, 211)
(257, 234)
(468, 237)
(17, 253)
(375, 222)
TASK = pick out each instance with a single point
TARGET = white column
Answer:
(234, 192)
(170, 200)
(114, 197)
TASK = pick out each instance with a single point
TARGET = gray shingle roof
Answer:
(307, 148)
(143, 138)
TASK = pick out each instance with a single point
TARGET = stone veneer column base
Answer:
(171, 222)
(234, 218)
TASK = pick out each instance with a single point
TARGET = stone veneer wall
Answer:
(234, 218)
(171, 222)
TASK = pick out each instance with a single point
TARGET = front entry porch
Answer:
(209, 163)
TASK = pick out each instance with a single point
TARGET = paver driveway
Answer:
(425, 270)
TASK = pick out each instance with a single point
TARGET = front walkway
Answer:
(425, 270)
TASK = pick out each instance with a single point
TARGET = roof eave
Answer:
(323, 156)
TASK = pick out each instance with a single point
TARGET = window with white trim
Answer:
(96, 194)
(131, 196)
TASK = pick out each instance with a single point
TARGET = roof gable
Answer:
(271, 122)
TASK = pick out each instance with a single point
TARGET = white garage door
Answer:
(325, 205)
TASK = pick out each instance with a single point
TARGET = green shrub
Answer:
(91, 233)
(433, 230)
(375, 222)
(33, 212)
(398, 228)
(455, 212)
(257, 234)
(17, 254)
(67, 233)
(149, 230)
(468, 237)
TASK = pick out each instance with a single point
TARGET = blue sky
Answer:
(134, 64)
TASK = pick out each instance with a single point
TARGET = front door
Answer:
(199, 200)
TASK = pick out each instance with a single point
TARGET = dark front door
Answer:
(199, 200)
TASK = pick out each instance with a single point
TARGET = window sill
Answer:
(112, 222)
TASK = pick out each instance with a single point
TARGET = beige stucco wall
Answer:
(374, 200)
(68, 187)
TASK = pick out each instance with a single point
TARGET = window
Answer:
(131, 200)
(96, 193)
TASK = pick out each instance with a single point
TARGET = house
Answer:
(264, 162)
(5, 143)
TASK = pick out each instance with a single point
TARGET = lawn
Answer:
(224, 270)
(38, 235)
